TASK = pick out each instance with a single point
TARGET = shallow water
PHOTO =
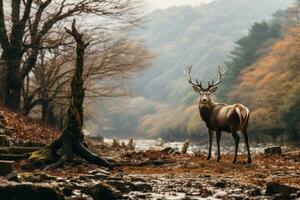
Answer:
(151, 144)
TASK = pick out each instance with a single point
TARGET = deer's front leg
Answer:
(211, 136)
(218, 132)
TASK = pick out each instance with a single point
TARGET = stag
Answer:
(220, 116)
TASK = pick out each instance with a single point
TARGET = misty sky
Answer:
(161, 4)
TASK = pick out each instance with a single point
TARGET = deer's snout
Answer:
(204, 99)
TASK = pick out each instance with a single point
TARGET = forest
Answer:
(115, 99)
(165, 93)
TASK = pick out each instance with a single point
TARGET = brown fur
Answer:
(219, 116)
(229, 118)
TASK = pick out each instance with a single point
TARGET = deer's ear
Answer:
(196, 89)
(212, 90)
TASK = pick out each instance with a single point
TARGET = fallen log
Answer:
(18, 150)
(13, 156)
(33, 144)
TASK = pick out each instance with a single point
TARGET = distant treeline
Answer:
(262, 72)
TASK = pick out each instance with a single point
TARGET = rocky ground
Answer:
(185, 176)
(274, 174)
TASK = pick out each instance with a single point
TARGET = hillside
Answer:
(19, 128)
(204, 35)
(178, 36)
(274, 98)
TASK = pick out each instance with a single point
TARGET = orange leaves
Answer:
(265, 85)
(21, 127)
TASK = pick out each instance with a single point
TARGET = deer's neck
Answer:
(205, 111)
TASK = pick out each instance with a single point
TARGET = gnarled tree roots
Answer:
(59, 152)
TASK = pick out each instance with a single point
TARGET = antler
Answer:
(214, 84)
(198, 84)
(189, 78)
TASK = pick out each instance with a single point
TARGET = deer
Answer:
(220, 117)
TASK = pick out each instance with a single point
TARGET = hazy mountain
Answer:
(178, 36)
(205, 34)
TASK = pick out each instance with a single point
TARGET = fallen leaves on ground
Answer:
(21, 127)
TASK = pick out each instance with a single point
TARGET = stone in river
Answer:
(103, 191)
(275, 150)
(141, 186)
(29, 191)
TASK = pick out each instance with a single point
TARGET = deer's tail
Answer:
(244, 114)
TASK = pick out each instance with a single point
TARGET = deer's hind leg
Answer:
(245, 134)
(236, 142)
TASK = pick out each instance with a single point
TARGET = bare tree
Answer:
(25, 32)
(72, 138)
(106, 61)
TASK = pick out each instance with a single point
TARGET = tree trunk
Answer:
(2, 80)
(11, 84)
(72, 138)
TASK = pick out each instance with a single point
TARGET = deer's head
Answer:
(204, 92)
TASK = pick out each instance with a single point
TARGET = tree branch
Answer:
(3, 32)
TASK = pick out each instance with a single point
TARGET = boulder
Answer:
(119, 185)
(277, 188)
(220, 184)
(29, 191)
(13, 177)
(100, 176)
(103, 191)
(6, 167)
(255, 192)
(141, 186)
(67, 191)
(137, 179)
(274, 150)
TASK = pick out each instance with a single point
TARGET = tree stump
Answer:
(185, 147)
(116, 143)
(131, 145)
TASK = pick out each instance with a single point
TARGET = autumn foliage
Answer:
(19, 127)
(271, 88)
